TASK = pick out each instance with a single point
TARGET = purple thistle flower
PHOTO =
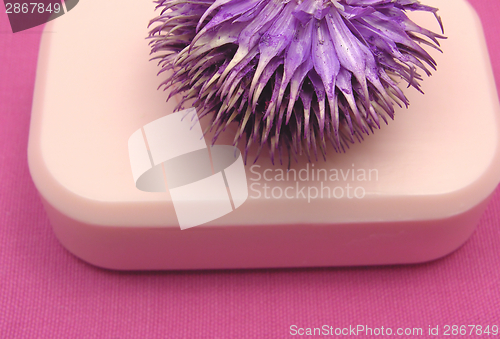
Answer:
(294, 74)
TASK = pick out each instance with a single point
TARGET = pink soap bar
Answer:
(412, 192)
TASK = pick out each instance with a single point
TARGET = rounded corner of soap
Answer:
(51, 191)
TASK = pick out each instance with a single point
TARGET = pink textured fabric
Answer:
(45, 292)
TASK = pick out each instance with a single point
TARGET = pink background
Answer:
(45, 292)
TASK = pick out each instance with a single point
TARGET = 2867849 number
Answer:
(32, 7)
(470, 330)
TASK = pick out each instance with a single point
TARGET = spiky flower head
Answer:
(293, 74)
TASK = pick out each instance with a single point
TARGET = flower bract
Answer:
(294, 75)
